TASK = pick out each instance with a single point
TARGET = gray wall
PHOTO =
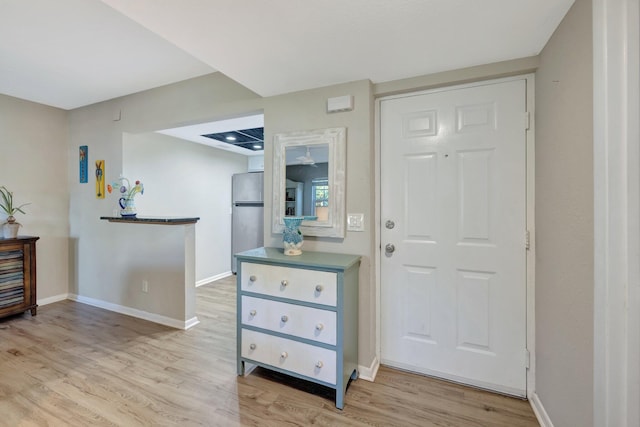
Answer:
(197, 100)
(307, 110)
(564, 221)
(33, 165)
(186, 179)
(209, 98)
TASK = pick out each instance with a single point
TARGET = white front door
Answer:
(453, 193)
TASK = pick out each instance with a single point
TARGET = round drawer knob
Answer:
(319, 326)
(319, 364)
(252, 346)
(284, 318)
(253, 278)
(319, 288)
(284, 283)
(253, 313)
(284, 354)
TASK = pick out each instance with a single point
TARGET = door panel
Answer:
(453, 173)
(474, 290)
(420, 182)
(419, 302)
(474, 204)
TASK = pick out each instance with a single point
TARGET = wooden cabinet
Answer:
(18, 275)
(299, 315)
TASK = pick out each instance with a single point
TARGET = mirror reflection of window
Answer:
(304, 176)
(320, 198)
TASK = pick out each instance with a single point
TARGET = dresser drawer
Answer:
(305, 322)
(304, 359)
(318, 287)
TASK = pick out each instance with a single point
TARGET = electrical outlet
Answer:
(145, 286)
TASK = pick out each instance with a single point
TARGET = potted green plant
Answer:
(10, 228)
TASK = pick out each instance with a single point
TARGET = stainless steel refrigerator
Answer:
(247, 213)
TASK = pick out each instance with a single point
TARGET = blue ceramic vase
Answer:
(291, 236)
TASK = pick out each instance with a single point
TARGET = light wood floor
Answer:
(77, 365)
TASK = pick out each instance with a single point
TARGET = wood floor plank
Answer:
(78, 365)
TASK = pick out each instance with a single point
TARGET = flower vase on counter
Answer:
(128, 192)
(127, 207)
(291, 236)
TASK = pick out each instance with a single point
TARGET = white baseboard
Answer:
(51, 300)
(368, 373)
(210, 279)
(152, 317)
(539, 411)
(191, 323)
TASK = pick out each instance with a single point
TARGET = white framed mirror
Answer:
(309, 180)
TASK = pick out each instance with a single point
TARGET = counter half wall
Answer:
(155, 259)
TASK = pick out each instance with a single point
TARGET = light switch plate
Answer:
(355, 222)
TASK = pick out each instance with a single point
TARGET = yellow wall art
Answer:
(100, 179)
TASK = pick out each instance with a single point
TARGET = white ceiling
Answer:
(70, 53)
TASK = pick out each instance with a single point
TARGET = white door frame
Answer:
(616, 107)
(530, 200)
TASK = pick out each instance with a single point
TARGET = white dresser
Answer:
(299, 315)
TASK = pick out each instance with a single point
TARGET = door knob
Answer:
(389, 248)
(389, 224)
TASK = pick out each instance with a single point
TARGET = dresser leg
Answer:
(343, 390)
(240, 368)
(340, 398)
(34, 311)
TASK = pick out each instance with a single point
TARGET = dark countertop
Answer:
(34, 238)
(167, 220)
